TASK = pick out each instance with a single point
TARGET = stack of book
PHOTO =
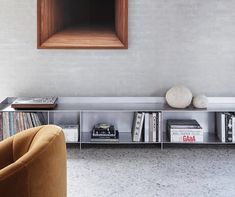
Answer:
(104, 133)
(184, 131)
(146, 127)
(14, 122)
(71, 132)
(225, 122)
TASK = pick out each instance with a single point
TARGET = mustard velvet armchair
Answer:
(33, 163)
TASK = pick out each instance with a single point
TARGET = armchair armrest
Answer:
(6, 152)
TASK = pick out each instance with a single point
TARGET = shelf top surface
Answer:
(125, 104)
(84, 37)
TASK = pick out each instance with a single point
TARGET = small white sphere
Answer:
(179, 97)
(200, 101)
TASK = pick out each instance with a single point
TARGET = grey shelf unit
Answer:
(87, 111)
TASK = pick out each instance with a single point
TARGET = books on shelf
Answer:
(14, 122)
(184, 131)
(225, 123)
(103, 132)
(146, 127)
(71, 132)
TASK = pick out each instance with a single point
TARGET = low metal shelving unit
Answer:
(119, 111)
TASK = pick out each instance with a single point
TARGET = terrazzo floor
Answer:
(151, 172)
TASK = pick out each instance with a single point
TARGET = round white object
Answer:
(179, 97)
(200, 101)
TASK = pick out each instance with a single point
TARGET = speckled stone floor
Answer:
(150, 172)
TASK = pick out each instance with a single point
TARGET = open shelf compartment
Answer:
(83, 24)
(205, 119)
(121, 121)
(67, 120)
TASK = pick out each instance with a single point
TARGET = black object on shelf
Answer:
(104, 132)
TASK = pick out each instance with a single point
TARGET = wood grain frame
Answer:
(52, 19)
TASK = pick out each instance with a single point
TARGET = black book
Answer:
(228, 127)
(105, 138)
(182, 124)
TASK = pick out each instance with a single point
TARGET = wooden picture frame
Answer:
(93, 24)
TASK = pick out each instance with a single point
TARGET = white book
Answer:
(154, 127)
(186, 135)
(141, 127)
(233, 128)
(136, 126)
(146, 127)
(71, 132)
(220, 123)
(159, 126)
(151, 127)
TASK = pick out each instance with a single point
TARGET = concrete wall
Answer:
(190, 42)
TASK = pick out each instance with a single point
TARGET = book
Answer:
(228, 128)
(6, 131)
(184, 131)
(71, 132)
(220, 126)
(151, 127)
(186, 135)
(146, 127)
(183, 123)
(137, 126)
(233, 129)
(159, 126)
(141, 127)
(14, 122)
(104, 140)
(154, 127)
(104, 132)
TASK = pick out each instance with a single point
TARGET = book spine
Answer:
(17, 122)
(10, 122)
(146, 127)
(233, 128)
(226, 126)
(220, 124)
(21, 125)
(230, 131)
(136, 126)
(34, 119)
(41, 118)
(30, 119)
(6, 131)
(13, 123)
(151, 127)
(40, 122)
(141, 127)
(191, 136)
(154, 127)
(159, 126)
(24, 121)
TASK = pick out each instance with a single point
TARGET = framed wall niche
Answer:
(82, 24)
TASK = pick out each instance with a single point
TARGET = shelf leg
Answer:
(162, 146)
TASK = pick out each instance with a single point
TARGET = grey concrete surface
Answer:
(150, 172)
